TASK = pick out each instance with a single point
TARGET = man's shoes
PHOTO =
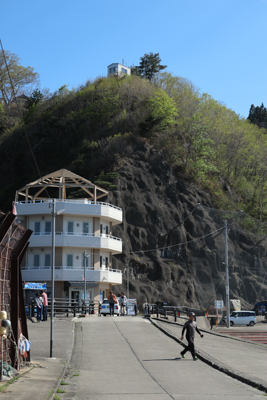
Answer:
(182, 355)
(195, 358)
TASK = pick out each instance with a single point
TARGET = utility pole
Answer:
(227, 277)
(127, 282)
(85, 256)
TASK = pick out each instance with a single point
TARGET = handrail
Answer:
(66, 268)
(102, 235)
(79, 201)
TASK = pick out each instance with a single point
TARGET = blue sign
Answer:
(35, 286)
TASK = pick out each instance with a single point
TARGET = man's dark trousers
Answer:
(111, 308)
(44, 313)
(190, 347)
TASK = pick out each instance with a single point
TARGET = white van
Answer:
(242, 318)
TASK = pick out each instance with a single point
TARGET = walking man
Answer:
(45, 304)
(122, 303)
(190, 326)
(112, 299)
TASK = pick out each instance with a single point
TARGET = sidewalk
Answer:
(243, 360)
(38, 383)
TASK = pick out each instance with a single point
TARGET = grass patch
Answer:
(8, 383)
(61, 391)
(56, 397)
(76, 375)
(64, 383)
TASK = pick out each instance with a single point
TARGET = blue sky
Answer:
(219, 45)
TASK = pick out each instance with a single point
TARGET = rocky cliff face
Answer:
(167, 260)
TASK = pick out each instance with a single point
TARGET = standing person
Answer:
(190, 326)
(122, 303)
(39, 304)
(135, 309)
(145, 307)
(211, 322)
(45, 304)
(112, 299)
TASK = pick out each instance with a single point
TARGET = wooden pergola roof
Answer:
(63, 180)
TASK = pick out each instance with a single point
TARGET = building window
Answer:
(107, 263)
(47, 260)
(37, 228)
(101, 262)
(104, 229)
(36, 260)
(85, 228)
(69, 260)
(112, 70)
(86, 261)
(70, 227)
(124, 71)
(48, 227)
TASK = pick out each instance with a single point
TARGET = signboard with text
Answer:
(219, 304)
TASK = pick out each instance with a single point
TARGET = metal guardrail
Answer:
(175, 311)
(66, 307)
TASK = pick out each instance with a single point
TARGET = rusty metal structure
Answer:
(14, 240)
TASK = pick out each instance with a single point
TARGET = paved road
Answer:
(245, 357)
(128, 358)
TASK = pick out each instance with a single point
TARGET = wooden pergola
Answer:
(63, 180)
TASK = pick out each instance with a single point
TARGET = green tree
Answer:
(149, 66)
(2, 118)
(258, 116)
(22, 77)
(34, 99)
(161, 113)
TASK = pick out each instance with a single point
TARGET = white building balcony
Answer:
(89, 240)
(71, 207)
(36, 274)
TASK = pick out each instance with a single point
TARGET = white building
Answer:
(118, 70)
(81, 224)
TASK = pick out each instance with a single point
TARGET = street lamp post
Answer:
(54, 213)
(52, 276)
(85, 256)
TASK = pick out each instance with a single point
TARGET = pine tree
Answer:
(149, 66)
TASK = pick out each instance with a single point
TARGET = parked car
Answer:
(242, 318)
(104, 310)
(161, 304)
(260, 308)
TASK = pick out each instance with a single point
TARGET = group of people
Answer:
(122, 301)
(41, 305)
(147, 308)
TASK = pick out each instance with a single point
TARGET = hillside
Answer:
(155, 203)
(160, 148)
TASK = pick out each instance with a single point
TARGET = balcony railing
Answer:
(73, 201)
(70, 274)
(67, 268)
(103, 235)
